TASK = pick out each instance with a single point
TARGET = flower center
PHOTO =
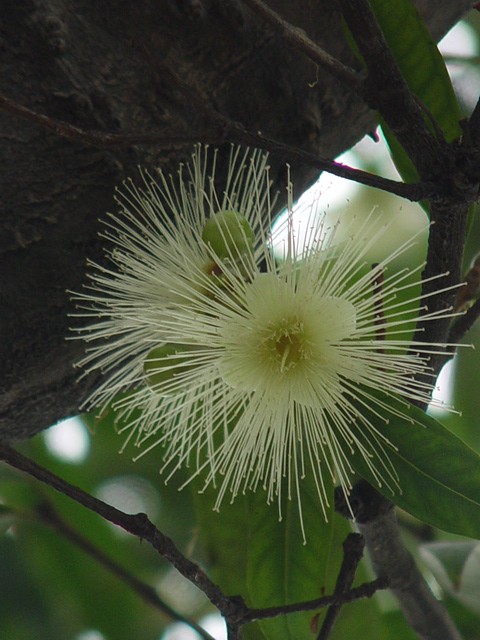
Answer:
(286, 342)
(287, 346)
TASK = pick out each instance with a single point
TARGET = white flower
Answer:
(255, 370)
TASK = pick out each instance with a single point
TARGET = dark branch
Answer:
(352, 554)
(138, 525)
(375, 518)
(49, 516)
(464, 323)
(387, 91)
(233, 609)
(444, 256)
(224, 129)
(451, 165)
(99, 138)
(414, 191)
(298, 39)
(366, 590)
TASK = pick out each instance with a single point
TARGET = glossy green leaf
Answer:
(280, 568)
(265, 561)
(439, 475)
(425, 72)
(401, 160)
(420, 62)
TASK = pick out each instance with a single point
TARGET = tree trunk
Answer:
(104, 66)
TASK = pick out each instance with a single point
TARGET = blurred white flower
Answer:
(252, 371)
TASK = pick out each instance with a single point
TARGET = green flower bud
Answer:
(163, 364)
(228, 234)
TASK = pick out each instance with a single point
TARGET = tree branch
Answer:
(221, 131)
(455, 166)
(352, 554)
(138, 525)
(298, 39)
(232, 608)
(464, 323)
(47, 514)
(444, 256)
(375, 518)
(365, 590)
(100, 138)
(387, 91)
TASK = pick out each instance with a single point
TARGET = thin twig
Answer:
(138, 525)
(471, 290)
(352, 554)
(365, 590)
(387, 91)
(49, 516)
(99, 138)
(236, 132)
(233, 608)
(464, 323)
(218, 133)
(414, 192)
(375, 518)
(299, 40)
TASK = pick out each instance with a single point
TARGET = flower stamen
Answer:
(260, 373)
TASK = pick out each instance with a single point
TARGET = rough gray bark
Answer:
(100, 65)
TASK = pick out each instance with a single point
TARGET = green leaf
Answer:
(424, 71)
(401, 160)
(439, 475)
(420, 62)
(265, 561)
(280, 568)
